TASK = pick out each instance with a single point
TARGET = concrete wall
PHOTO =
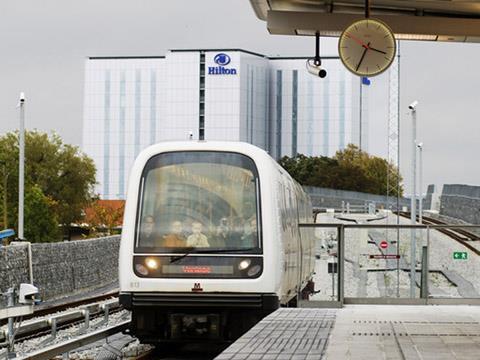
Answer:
(63, 268)
(461, 202)
(330, 198)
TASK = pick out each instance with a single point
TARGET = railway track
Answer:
(38, 340)
(44, 309)
(462, 236)
(51, 351)
(78, 322)
(61, 320)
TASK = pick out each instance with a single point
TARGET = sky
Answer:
(43, 46)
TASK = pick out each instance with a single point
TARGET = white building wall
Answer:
(222, 99)
(120, 117)
(132, 103)
(182, 96)
(326, 108)
(254, 99)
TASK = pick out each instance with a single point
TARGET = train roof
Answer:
(203, 145)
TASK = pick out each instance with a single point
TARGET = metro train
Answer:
(210, 242)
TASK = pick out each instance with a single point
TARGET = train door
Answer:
(296, 212)
(294, 243)
(286, 238)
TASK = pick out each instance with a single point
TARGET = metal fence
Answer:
(372, 263)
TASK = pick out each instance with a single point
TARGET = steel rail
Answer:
(469, 235)
(45, 311)
(460, 239)
(455, 232)
(61, 348)
(43, 326)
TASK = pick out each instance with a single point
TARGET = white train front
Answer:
(210, 241)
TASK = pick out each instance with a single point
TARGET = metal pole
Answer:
(21, 172)
(398, 174)
(333, 280)
(424, 283)
(30, 261)
(420, 186)
(341, 262)
(5, 179)
(10, 338)
(428, 260)
(360, 115)
(413, 212)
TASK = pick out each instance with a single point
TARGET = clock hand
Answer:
(357, 40)
(363, 55)
(380, 51)
(363, 44)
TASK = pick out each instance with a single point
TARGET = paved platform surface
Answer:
(288, 333)
(363, 332)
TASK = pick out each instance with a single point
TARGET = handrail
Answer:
(388, 226)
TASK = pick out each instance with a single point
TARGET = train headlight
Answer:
(141, 269)
(254, 270)
(244, 264)
(151, 263)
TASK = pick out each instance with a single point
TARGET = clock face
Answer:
(367, 47)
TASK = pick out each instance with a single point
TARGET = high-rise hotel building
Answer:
(237, 95)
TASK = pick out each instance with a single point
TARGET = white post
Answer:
(21, 170)
(413, 212)
(420, 181)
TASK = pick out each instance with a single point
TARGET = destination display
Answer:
(197, 269)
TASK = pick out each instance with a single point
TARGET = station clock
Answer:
(367, 47)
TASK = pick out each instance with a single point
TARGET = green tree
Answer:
(40, 220)
(103, 217)
(375, 169)
(350, 169)
(64, 174)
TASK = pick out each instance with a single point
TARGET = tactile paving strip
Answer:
(286, 334)
(405, 332)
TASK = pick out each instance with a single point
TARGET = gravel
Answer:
(447, 278)
(27, 346)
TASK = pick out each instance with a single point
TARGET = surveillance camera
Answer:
(420, 145)
(413, 105)
(22, 97)
(315, 69)
(28, 294)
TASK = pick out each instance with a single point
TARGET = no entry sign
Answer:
(383, 244)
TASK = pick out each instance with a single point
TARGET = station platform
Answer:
(363, 332)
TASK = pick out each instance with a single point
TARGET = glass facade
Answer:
(230, 95)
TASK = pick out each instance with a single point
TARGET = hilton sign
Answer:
(221, 60)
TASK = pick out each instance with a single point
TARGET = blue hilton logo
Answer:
(221, 60)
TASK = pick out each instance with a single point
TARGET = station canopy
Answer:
(434, 20)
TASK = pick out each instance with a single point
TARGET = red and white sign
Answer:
(383, 244)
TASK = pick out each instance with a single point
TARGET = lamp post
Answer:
(21, 166)
(413, 201)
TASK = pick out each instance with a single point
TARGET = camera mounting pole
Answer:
(316, 60)
(314, 64)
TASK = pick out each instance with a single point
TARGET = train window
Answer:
(199, 201)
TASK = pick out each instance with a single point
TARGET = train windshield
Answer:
(199, 202)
